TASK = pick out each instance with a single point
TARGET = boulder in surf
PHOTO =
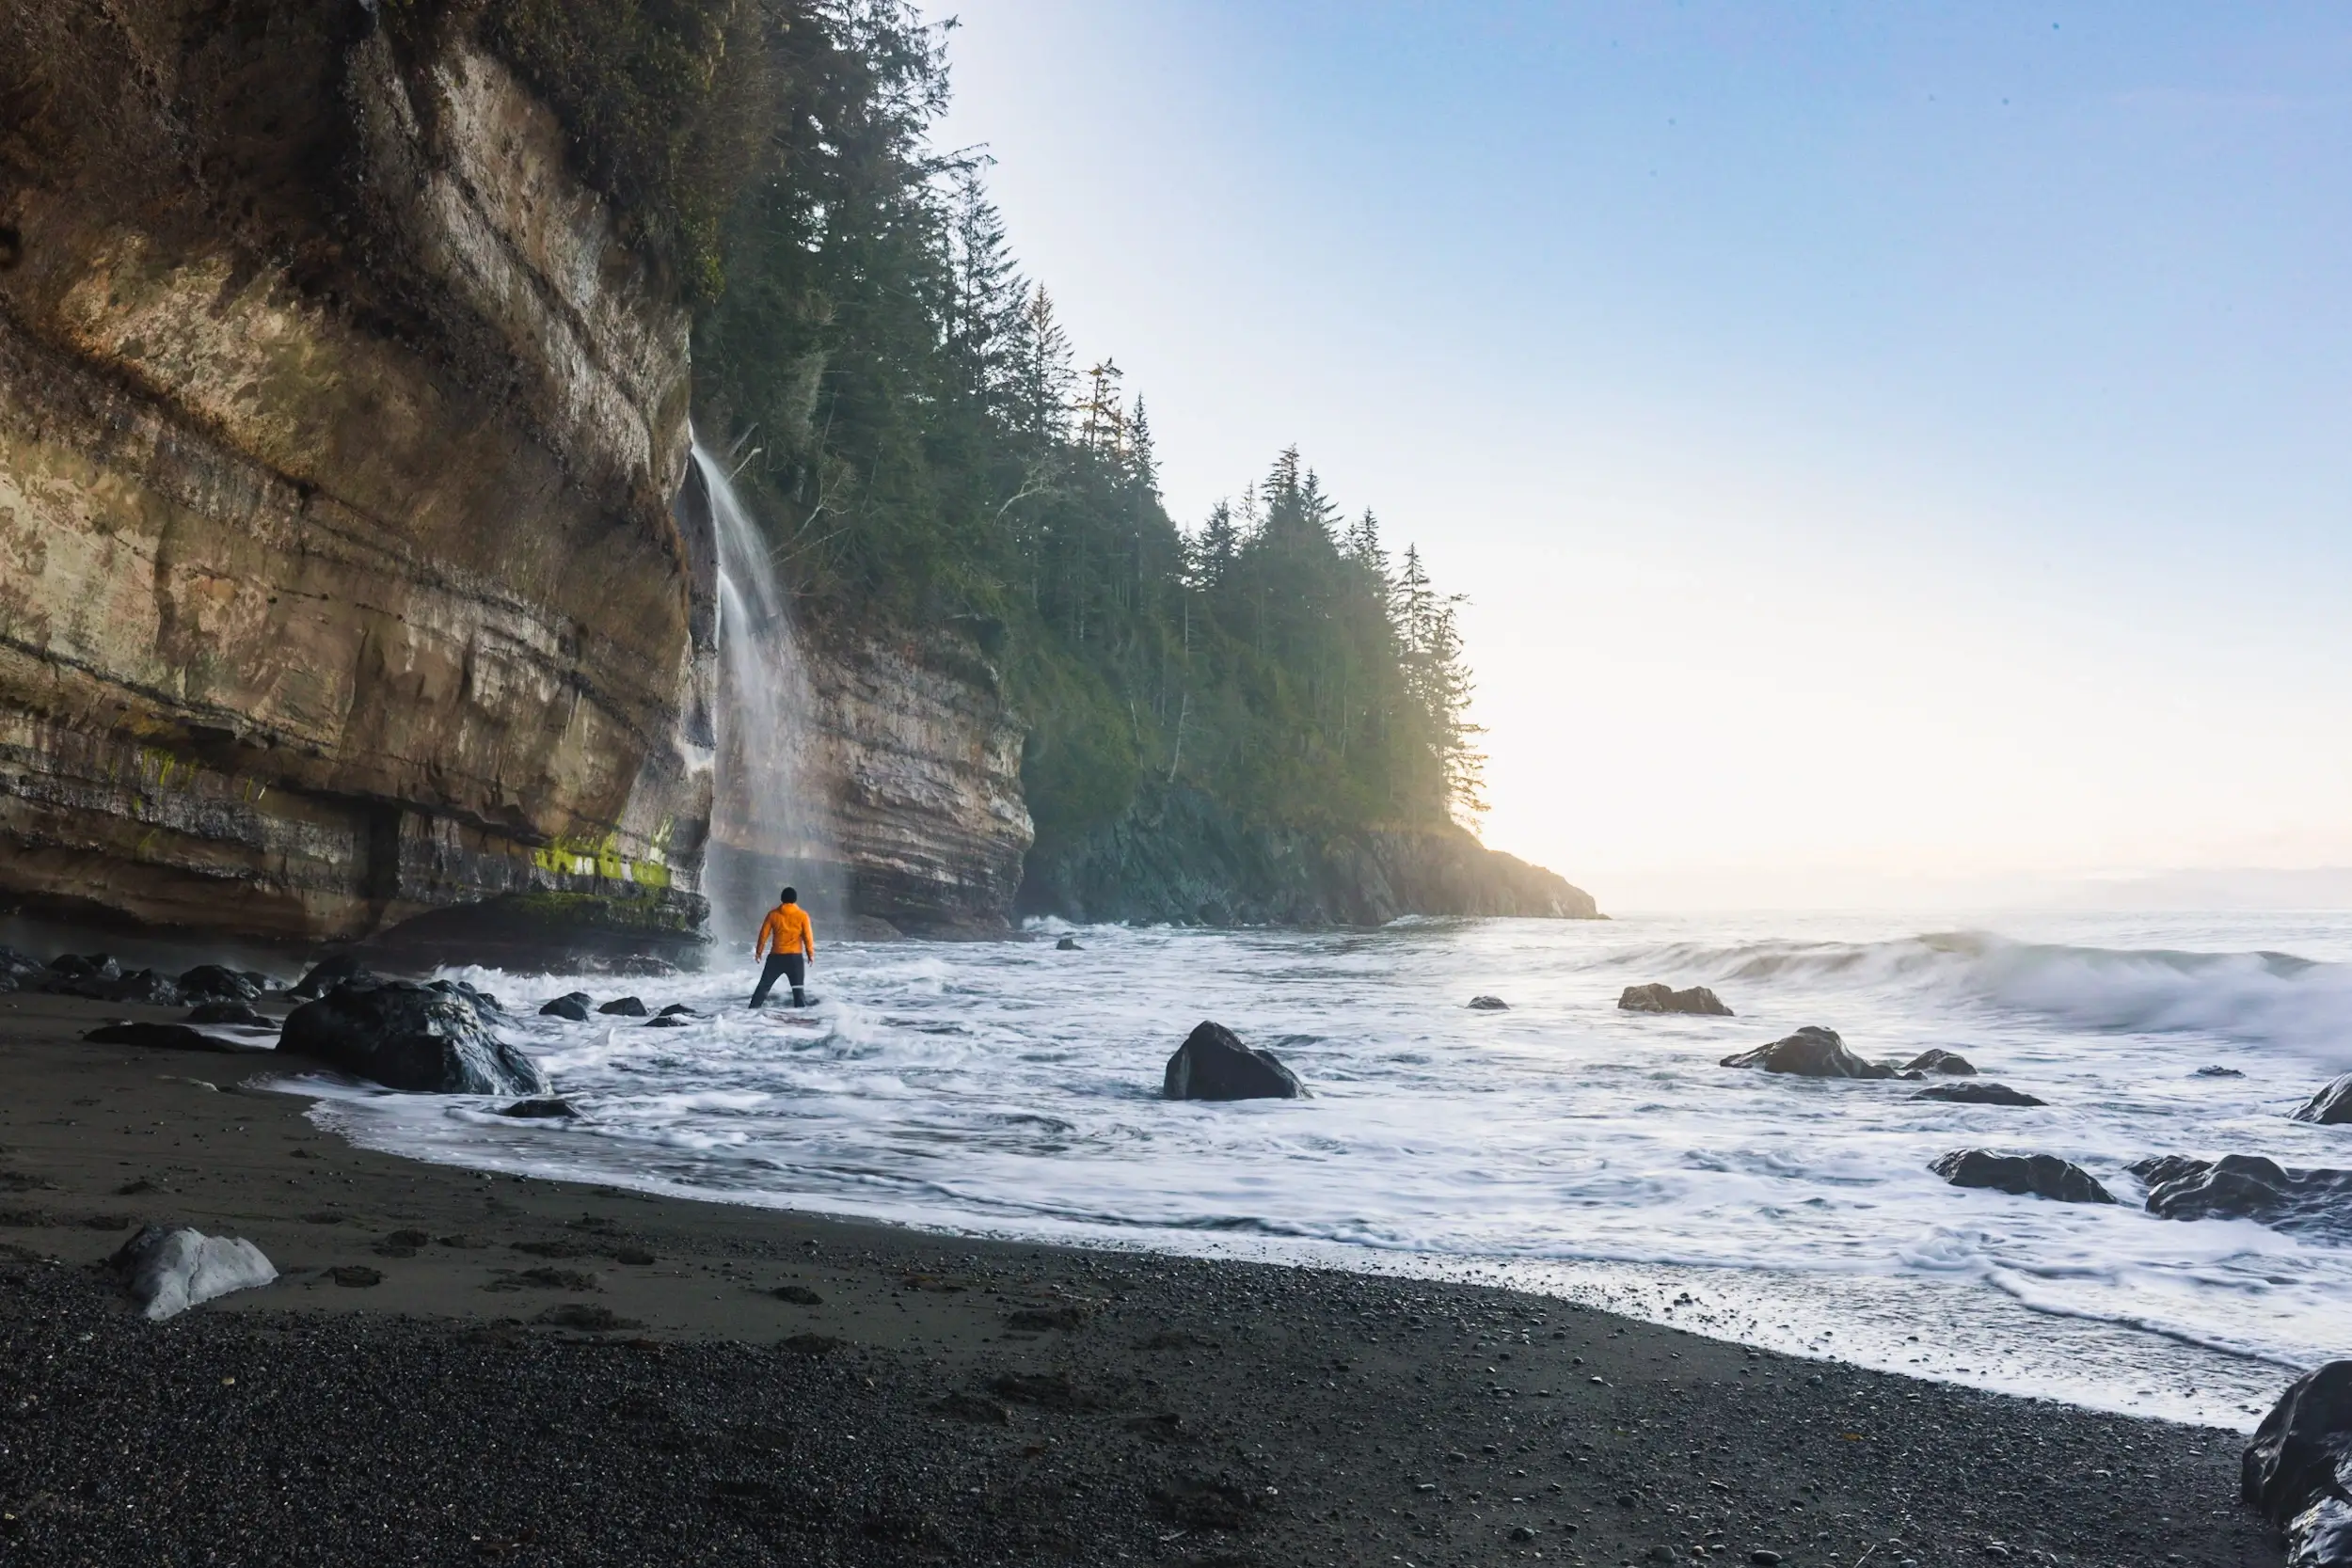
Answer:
(2298, 1471)
(1977, 1094)
(1068, 944)
(1937, 1059)
(2331, 1106)
(2247, 1187)
(1213, 1064)
(1489, 1005)
(2024, 1175)
(410, 1036)
(624, 1006)
(1812, 1052)
(1665, 999)
(571, 1005)
(326, 974)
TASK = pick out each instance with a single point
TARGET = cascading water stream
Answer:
(769, 822)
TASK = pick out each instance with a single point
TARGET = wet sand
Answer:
(457, 1368)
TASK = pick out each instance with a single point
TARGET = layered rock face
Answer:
(1183, 858)
(339, 585)
(914, 760)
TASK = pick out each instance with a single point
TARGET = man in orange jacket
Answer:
(789, 941)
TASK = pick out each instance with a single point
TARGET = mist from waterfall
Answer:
(771, 823)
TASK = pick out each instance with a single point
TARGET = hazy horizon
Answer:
(1903, 447)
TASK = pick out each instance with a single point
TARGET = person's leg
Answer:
(796, 970)
(769, 976)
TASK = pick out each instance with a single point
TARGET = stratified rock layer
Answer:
(338, 579)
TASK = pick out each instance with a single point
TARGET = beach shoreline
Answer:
(426, 1383)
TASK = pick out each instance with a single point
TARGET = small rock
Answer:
(1068, 944)
(573, 1006)
(1812, 1052)
(1940, 1060)
(2219, 1073)
(1213, 1064)
(669, 1020)
(1979, 1094)
(1665, 999)
(678, 1009)
(1489, 1004)
(2024, 1175)
(358, 1276)
(406, 1238)
(585, 1316)
(811, 1344)
(624, 1006)
(168, 1270)
(798, 1295)
(546, 1108)
(1763, 1559)
(1520, 1532)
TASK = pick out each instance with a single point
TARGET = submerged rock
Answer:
(1977, 1094)
(167, 1037)
(571, 1005)
(547, 1109)
(1665, 999)
(1213, 1064)
(410, 1037)
(2219, 1073)
(678, 1009)
(624, 1006)
(2298, 1471)
(229, 1012)
(1068, 944)
(1812, 1052)
(2026, 1175)
(1940, 1060)
(168, 1271)
(1489, 1004)
(2331, 1106)
(670, 1021)
(2247, 1187)
(219, 983)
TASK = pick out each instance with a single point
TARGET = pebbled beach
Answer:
(457, 1368)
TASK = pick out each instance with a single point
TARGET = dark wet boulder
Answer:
(624, 1006)
(219, 983)
(169, 1037)
(2219, 1072)
(86, 966)
(2331, 1106)
(1068, 944)
(670, 1021)
(2298, 1471)
(1951, 1063)
(1977, 1094)
(2248, 1187)
(1489, 1005)
(677, 1009)
(240, 1013)
(1213, 1064)
(1665, 999)
(483, 1001)
(342, 968)
(548, 1108)
(1812, 1052)
(410, 1036)
(20, 971)
(571, 1005)
(2026, 1175)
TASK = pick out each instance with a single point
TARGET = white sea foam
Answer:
(1008, 1088)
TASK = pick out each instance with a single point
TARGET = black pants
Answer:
(790, 966)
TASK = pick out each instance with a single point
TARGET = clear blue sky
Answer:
(1878, 441)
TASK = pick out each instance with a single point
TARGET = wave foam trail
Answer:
(1008, 1088)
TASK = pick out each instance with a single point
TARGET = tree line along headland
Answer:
(356, 584)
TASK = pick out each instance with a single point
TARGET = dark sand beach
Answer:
(455, 1367)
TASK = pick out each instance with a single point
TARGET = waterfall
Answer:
(771, 821)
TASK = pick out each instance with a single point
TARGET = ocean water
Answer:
(1010, 1089)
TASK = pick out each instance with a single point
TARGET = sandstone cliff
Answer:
(338, 579)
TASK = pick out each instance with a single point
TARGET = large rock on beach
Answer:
(2331, 1106)
(2248, 1187)
(1665, 999)
(1977, 1094)
(1213, 1064)
(1812, 1052)
(410, 1036)
(1937, 1059)
(2026, 1175)
(2298, 1471)
(170, 1269)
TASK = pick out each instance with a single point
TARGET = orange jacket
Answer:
(788, 926)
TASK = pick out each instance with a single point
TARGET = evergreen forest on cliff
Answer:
(900, 406)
